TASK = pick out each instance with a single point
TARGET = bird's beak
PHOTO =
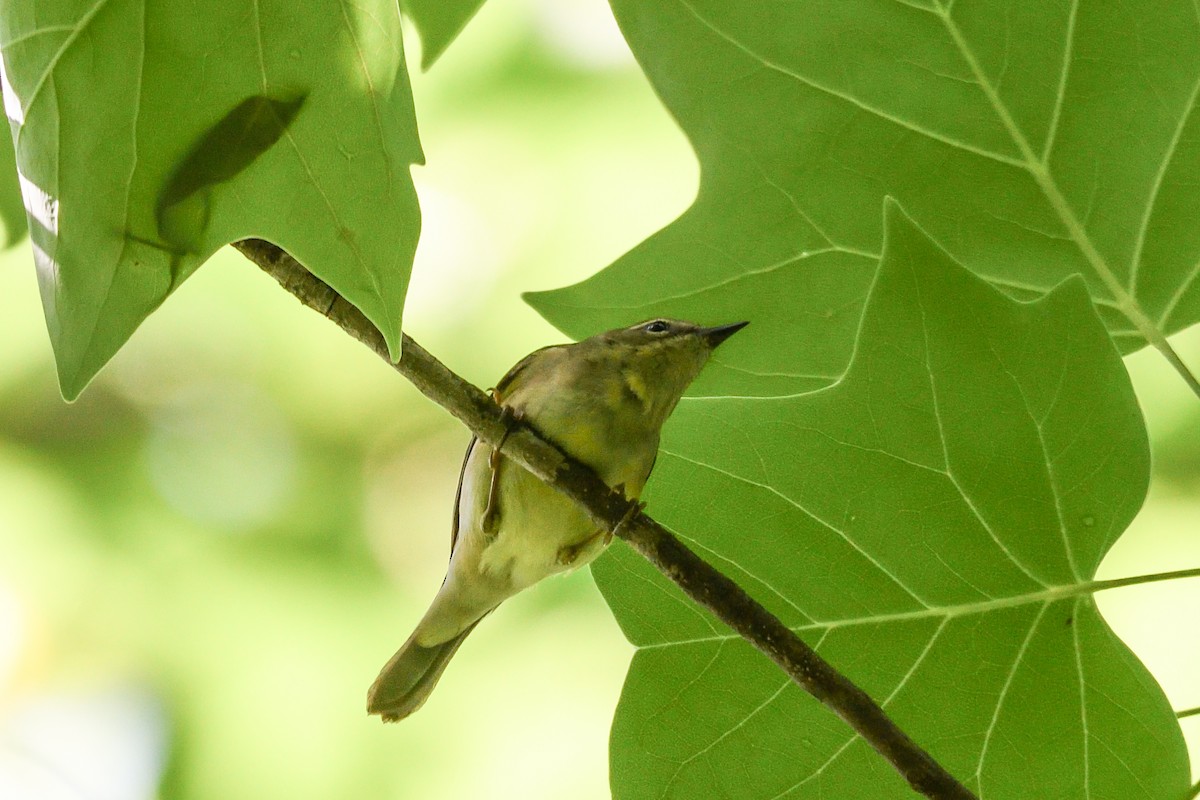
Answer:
(714, 336)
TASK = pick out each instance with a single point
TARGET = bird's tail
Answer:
(406, 680)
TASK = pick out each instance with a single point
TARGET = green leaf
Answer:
(149, 136)
(439, 22)
(930, 523)
(222, 153)
(12, 212)
(1033, 139)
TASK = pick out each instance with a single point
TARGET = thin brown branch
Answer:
(611, 511)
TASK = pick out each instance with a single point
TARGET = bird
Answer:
(603, 401)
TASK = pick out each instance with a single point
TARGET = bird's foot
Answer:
(491, 512)
(567, 556)
(635, 507)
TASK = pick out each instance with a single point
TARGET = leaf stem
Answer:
(1135, 580)
(1175, 361)
(610, 510)
(1187, 712)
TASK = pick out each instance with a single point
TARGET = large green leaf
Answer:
(1034, 139)
(12, 212)
(148, 135)
(439, 22)
(930, 523)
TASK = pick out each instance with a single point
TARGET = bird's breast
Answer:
(533, 526)
(608, 431)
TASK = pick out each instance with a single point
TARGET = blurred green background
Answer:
(205, 561)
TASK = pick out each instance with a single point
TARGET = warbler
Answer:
(603, 401)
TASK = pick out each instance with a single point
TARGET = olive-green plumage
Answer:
(603, 401)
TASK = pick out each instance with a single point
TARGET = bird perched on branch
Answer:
(603, 401)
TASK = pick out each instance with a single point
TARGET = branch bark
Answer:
(609, 509)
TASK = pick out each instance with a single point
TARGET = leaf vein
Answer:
(1012, 673)
(1083, 716)
(1060, 95)
(1135, 261)
(891, 696)
(800, 507)
(1184, 286)
(850, 99)
(678, 600)
(948, 469)
(79, 28)
(727, 733)
(366, 73)
(1047, 459)
(33, 34)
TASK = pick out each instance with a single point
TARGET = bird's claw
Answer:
(568, 555)
(508, 418)
(635, 507)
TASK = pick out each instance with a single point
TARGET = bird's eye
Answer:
(657, 326)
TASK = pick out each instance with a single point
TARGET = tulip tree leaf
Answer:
(148, 136)
(220, 155)
(930, 523)
(12, 212)
(439, 22)
(1034, 139)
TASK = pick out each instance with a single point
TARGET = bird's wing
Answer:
(502, 388)
(506, 383)
(462, 473)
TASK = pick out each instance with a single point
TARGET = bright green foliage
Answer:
(113, 102)
(184, 204)
(12, 213)
(1033, 139)
(928, 517)
(438, 22)
(930, 523)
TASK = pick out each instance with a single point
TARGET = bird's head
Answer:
(658, 358)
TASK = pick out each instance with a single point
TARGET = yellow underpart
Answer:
(636, 385)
